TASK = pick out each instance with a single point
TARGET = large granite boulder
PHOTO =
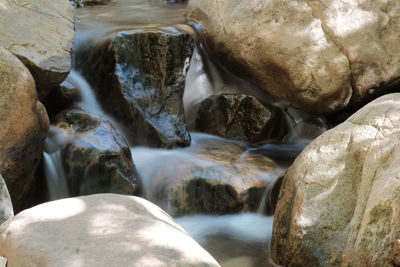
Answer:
(339, 202)
(103, 230)
(139, 77)
(96, 158)
(237, 117)
(213, 176)
(6, 208)
(318, 55)
(40, 34)
(24, 125)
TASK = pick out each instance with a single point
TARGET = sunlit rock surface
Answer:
(23, 127)
(99, 230)
(237, 117)
(40, 34)
(139, 76)
(96, 157)
(318, 55)
(339, 202)
(6, 209)
(213, 176)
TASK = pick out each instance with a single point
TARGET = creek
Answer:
(240, 239)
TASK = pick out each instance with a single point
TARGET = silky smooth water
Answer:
(234, 240)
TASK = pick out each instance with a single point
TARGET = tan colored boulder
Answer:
(339, 202)
(40, 34)
(24, 125)
(103, 230)
(318, 55)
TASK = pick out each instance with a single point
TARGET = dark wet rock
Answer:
(61, 98)
(214, 178)
(97, 158)
(6, 208)
(238, 117)
(139, 77)
(302, 126)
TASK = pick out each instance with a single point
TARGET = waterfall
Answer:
(55, 176)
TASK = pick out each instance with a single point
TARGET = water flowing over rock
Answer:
(339, 202)
(24, 125)
(237, 117)
(40, 34)
(213, 176)
(96, 159)
(318, 55)
(139, 76)
(6, 209)
(101, 230)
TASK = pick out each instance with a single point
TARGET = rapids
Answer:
(234, 240)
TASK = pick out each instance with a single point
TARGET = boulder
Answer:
(318, 55)
(24, 125)
(6, 209)
(61, 97)
(139, 77)
(213, 176)
(339, 202)
(237, 117)
(40, 35)
(103, 230)
(96, 158)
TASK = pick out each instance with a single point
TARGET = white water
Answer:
(88, 101)
(234, 240)
(55, 175)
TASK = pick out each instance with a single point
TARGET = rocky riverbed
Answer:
(199, 133)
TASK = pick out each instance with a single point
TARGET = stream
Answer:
(240, 239)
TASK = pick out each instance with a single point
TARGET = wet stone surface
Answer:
(139, 76)
(97, 158)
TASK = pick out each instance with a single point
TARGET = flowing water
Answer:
(234, 240)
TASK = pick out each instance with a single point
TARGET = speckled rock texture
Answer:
(139, 76)
(24, 124)
(40, 34)
(339, 204)
(96, 157)
(237, 117)
(318, 55)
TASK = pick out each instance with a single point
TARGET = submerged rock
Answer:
(237, 117)
(40, 35)
(139, 77)
(6, 208)
(24, 125)
(96, 159)
(339, 202)
(213, 176)
(103, 230)
(318, 55)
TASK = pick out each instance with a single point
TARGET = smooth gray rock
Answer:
(6, 208)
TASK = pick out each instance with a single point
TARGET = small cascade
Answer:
(88, 101)
(55, 175)
(53, 165)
